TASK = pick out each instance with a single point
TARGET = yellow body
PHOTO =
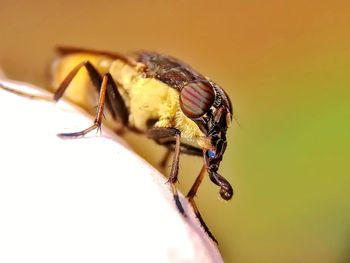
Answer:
(146, 98)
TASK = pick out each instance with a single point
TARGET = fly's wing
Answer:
(167, 69)
(63, 50)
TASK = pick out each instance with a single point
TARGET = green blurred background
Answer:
(285, 65)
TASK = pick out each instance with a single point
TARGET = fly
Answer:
(156, 95)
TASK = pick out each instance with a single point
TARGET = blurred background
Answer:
(285, 66)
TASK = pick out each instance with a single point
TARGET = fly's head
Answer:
(209, 107)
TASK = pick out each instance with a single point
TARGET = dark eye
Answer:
(196, 98)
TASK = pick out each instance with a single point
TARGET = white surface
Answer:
(84, 200)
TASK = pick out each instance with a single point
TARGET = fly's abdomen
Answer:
(81, 90)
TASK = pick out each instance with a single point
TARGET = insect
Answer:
(156, 95)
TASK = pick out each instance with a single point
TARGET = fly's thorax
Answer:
(147, 99)
(151, 100)
(124, 74)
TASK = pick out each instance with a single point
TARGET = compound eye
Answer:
(196, 98)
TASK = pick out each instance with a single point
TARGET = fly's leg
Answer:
(112, 97)
(115, 102)
(192, 150)
(184, 148)
(120, 110)
(164, 136)
(99, 115)
(190, 196)
(93, 74)
(95, 77)
(108, 94)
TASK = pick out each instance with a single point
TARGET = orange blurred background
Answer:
(285, 65)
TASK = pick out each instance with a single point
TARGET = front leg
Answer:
(164, 136)
(184, 149)
(190, 196)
